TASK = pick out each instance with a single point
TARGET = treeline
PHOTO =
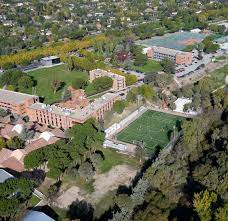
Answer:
(60, 49)
(14, 196)
(83, 142)
(187, 183)
(91, 62)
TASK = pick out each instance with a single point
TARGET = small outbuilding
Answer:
(49, 61)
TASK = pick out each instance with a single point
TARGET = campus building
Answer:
(79, 109)
(59, 117)
(77, 99)
(49, 61)
(160, 53)
(16, 102)
(119, 82)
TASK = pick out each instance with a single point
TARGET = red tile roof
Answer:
(13, 164)
(39, 143)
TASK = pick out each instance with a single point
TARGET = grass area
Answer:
(34, 200)
(150, 66)
(84, 185)
(62, 213)
(113, 158)
(44, 78)
(221, 58)
(219, 76)
(104, 204)
(153, 128)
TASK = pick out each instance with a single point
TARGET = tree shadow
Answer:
(101, 153)
(108, 214)
(81, 210)
(183, 213)
(178, 124)
(62, 85)
(36, 175)
(48, 211)
(123, 189)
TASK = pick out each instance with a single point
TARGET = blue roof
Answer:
(36, 216)
(4, 176)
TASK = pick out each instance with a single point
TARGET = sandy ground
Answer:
(69, 196)
(118, 175)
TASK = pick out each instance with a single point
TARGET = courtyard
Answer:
(152, 128)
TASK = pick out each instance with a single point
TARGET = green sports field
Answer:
(153, 128)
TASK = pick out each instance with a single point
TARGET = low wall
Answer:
(117, 127)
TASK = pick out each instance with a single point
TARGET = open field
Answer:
(150, 67)
(153, 128)
(44, 78)
(219, 76)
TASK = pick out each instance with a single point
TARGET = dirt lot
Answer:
(118, 175)
(69, 196)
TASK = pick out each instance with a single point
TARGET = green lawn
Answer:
(33, 201)
(219, 76)
(150, 66)
(153, 128)
(44, 78)
(113, 158)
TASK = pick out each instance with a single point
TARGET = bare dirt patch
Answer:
(118, 175)
(104, 183)
(69, 196)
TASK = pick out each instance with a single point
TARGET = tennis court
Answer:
(177, 40)
(153, 128)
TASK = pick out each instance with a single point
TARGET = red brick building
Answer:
(159, 53)
(16, 102)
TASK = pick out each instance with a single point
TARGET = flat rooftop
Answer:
(108, 73)
(168, 51)
(49, 58)
(80, 114)
(4, 175)
(14, 97)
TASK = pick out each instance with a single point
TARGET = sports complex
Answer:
(152, 128)
(177, 40)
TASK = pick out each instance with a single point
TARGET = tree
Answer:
(25, 82)
(86, 171)
(34, 159)
(222, 213)
(2, 143)
(86, 137)
(11, 203)
(162, 80)
(15, 143)
(168, 66)
(3, 112)
(79, 83)
(26, 134)
(172, 106)
(102, 83)
(56, 84)
(147, 92)
(140, 59)
(203, 203)
(209, 46)
(96, 160)
(53, 190)
(119, 106)
(66, 95)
